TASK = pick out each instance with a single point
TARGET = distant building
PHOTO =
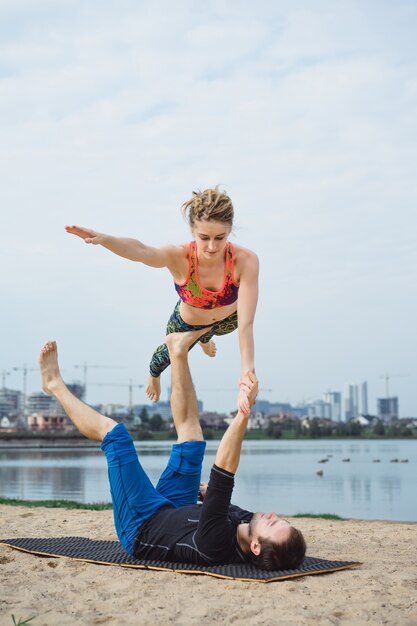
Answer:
(269, 408)
(210, 419)
(257, 421)
(307, 423)
(334, 399)
(355, 400)
(300, 411)
(11, 402)
(387, 409)
(6, 406)
(262, 405)
(362, 420)
(115, 411)
(77, 389)
(162, 408)
(288, 421)
(6, 426)
(38, 422)
(319, 408)
(362, 398)
(41, 403)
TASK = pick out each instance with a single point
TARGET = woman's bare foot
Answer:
(48, 363)
(153, 390)
(209, 348)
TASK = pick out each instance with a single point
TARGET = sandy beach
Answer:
(60, 591)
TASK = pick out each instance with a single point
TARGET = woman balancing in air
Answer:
(217, 282)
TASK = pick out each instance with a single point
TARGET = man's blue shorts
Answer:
(134, 497)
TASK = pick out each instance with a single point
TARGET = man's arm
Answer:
(228, 453)
(215, 536)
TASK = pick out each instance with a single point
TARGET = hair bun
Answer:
(210, 204)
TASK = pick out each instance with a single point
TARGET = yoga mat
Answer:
(111, 553)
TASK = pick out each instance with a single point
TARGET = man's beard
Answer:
(252, 523)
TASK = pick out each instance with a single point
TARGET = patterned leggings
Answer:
(160, 359)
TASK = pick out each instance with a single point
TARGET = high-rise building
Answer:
(318, 408)
(362, 398)
(387, 408)
(348, 402)
(355, 400)
(334, 399)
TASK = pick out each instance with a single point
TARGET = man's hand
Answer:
(248, 391)
(242, 401)
(89, 235)
(202, 491)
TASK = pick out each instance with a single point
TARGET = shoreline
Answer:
(57, 590)
(106, 506)
(29, 441)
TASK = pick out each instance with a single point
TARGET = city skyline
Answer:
(336, 405)
(112, 116)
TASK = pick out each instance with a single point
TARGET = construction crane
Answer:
(130, 386)
(387, 378)
(4, 373)
(85, 367)
(25, 369)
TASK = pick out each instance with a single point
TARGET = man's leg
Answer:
(184, 404)
(91, 424)
(134, 497)
(180, 482)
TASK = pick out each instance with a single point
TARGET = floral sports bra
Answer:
(198, 296)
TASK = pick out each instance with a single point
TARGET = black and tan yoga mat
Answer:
(111, 553)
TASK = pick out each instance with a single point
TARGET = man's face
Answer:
(269, 526)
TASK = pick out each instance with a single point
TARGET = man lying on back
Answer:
(164, 522)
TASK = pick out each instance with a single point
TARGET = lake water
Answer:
(273, 475)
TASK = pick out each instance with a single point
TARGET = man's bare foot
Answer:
(179, 342)
(153, 390)
(209, 348)
(48, 363)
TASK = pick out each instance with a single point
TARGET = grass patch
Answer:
(321, 516)
(22, 621)
(57, 504)
(105, 506)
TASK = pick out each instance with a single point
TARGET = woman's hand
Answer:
(248, 392)
(89, 235)
(132, 249)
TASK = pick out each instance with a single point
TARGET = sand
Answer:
(60, 591)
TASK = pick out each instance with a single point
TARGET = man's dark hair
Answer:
(279, 556)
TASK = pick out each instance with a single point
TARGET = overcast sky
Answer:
(111, 113)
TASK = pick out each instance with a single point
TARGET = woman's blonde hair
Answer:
(210, 204)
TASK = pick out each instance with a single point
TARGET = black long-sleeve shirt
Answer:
(199, 533)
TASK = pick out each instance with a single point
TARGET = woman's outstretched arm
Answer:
(128, 248)
(246, 309)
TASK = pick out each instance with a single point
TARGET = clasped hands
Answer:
(248, 391)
